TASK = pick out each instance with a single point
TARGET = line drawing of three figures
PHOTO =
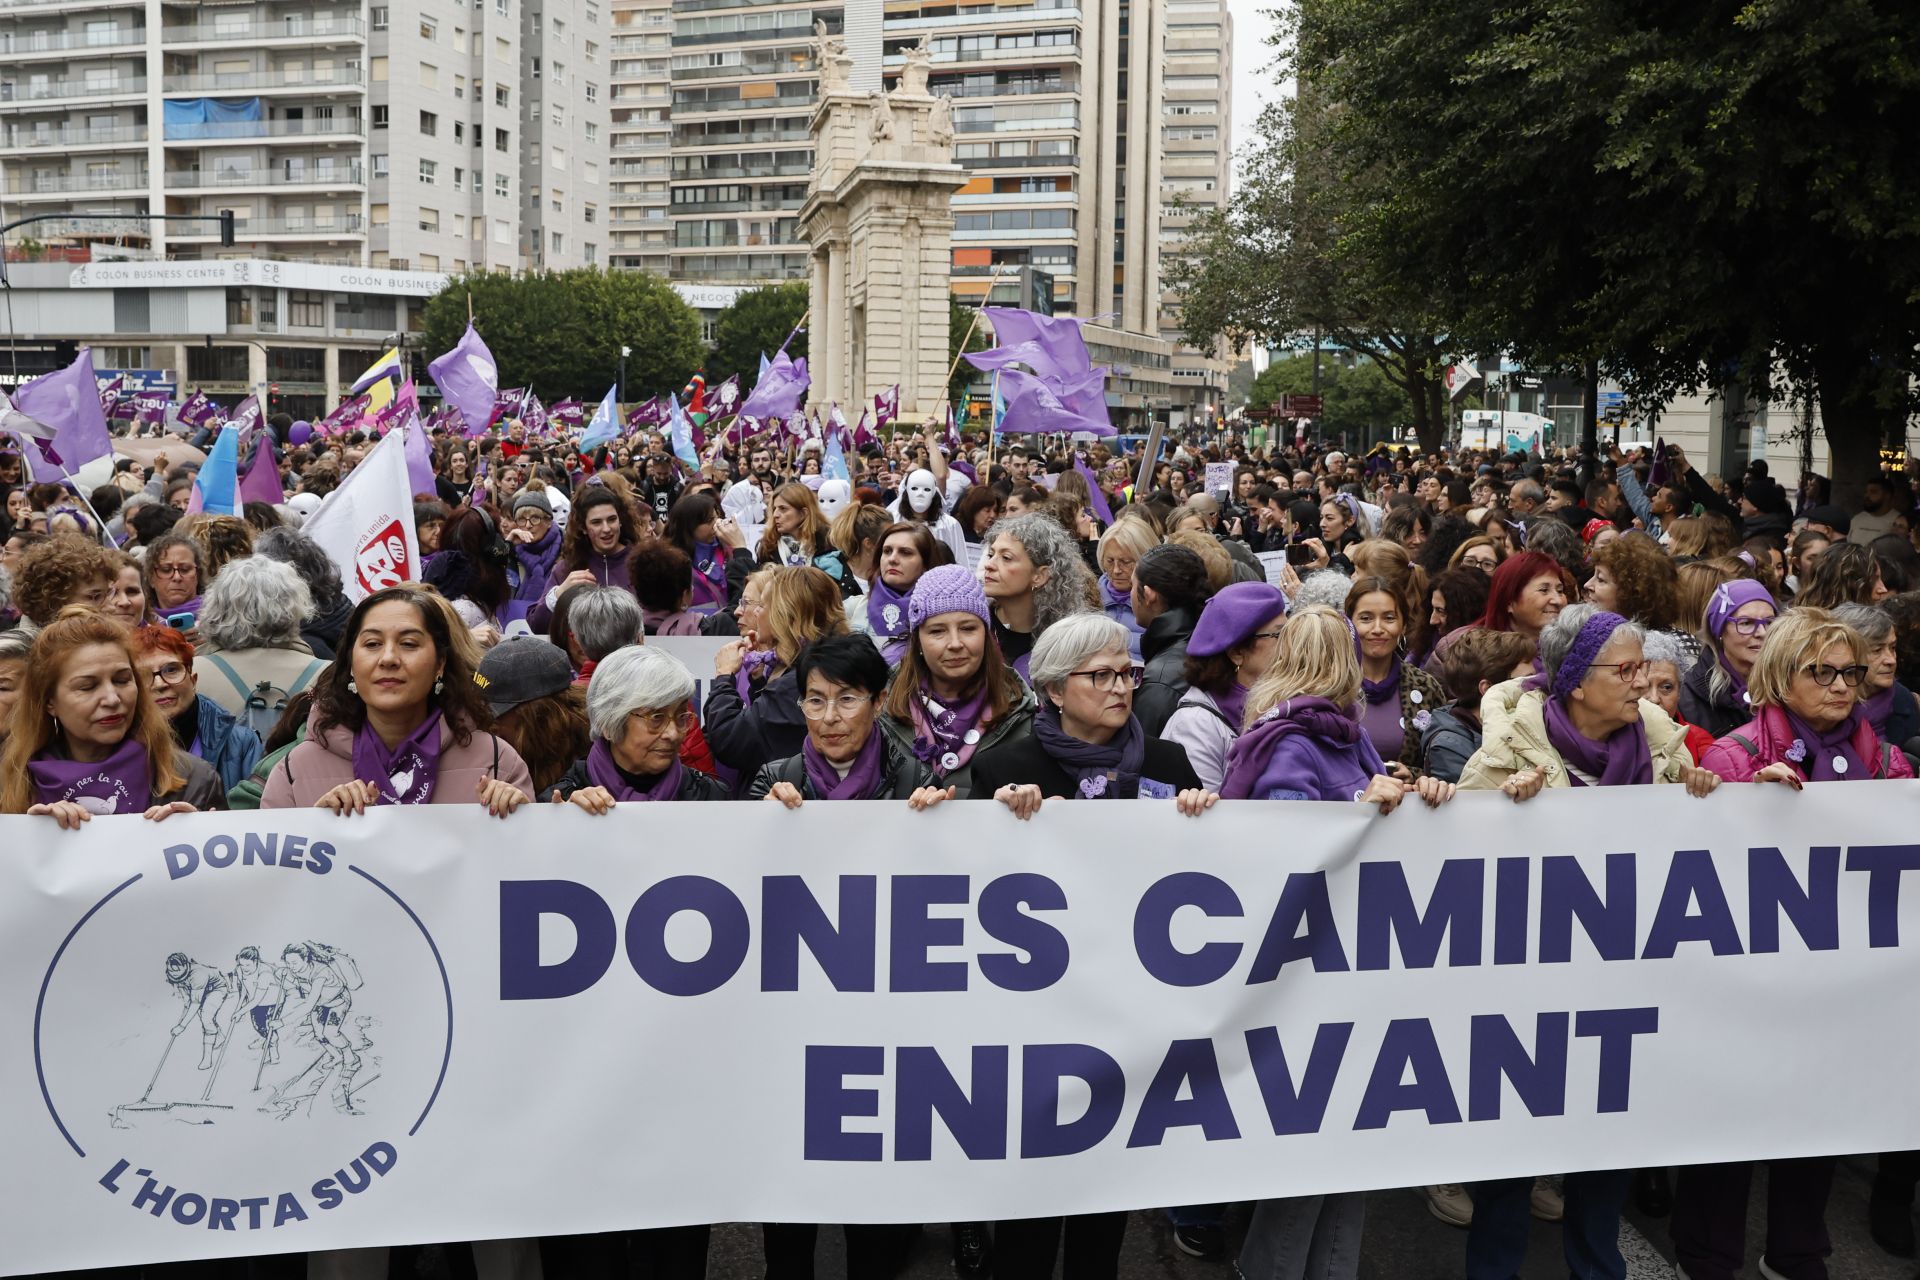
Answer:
(260, 993)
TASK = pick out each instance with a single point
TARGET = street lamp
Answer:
(620, 396)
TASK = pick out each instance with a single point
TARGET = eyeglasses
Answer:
(816, 707)
(171, 674)
(657, 721)
(1630, 671)
(1259, 635)
(174, 570)
(1753, 626)
(1824, 675)
(1102, 679)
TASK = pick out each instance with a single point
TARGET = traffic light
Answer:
(226, 228)
(273, 397)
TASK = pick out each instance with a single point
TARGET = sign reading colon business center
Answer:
(251, 1033)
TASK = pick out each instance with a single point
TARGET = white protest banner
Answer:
(260, 1032)
(366, 525)
(1220, 478)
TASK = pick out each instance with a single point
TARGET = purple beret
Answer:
(1235, 612)
(1728, 599)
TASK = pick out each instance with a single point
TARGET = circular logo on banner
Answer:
(382, 559)
(219, 1067)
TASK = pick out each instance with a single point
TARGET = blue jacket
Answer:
(226, 744)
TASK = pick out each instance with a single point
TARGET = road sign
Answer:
(1300, 406)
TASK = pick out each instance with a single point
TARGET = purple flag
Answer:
(261, 482)
(468, 379)
(567, 414)
(1050, 346)
(345, 416)
(648, 413)
(247, 415)
(197, 408)
(780, 389)
(726, 397)
(419, 455)
(1035, 408)
(863, 434)
(886, 405)
(405, 404)
(146, 406)
(1100, 507)
(533, 414)
(68, 401)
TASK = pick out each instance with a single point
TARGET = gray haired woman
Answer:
(249, 630)
(1034, 576)
(331, 607)
(1888, 705)
(639, 708)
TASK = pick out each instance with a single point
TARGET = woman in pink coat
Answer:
(398, 719)
(1808, 726)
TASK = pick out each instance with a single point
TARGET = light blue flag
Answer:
(216, 488)
(680, 433)
(605, 426)
(834, 465)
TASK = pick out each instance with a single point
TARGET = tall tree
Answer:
(1693, 193)
(757, 322)
(561, 332)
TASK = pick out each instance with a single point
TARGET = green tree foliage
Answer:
(756, 324)
(959, 323)
(1361, 401)
(561, 332)
(1280, 261)
(1693, 194)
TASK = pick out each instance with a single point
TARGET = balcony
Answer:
(55, 6)
(989, 18)
(26, 95)
(349, 78)
(791, 31)
(352, 225)
(25, 44)
(648, 147)
(734, 240)
(325, 178)
(713, 172)
(243, 130)
(736, 106)
(56, 184)
(744, 138)
(1020, 162)
(341, 28)
(761, 205)
(1039, 125)
(73, 139)
(1044, 53)
(995, 199)
(1014, 89)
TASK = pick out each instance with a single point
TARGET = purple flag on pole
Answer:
(197, 408)
(780, 389)
(567, 414)
(726, 397)
(648, 413)
(405, 404)
(863, 434)
(345, 416)
(1050, 346)
(1100, 507)
(1035, 408)
(68, 401)
(247, 415)
(468, 379)
(261, 481)
(419, 455)
(886, 405)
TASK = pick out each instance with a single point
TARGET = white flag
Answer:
(366, 525)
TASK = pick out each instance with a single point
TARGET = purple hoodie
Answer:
(1285, 757)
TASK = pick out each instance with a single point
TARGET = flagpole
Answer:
(946, 397)
(804, 317)
(993, 414)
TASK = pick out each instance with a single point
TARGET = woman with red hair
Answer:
(201, 726)
(1528, 591)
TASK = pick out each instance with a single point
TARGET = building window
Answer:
(502, 232)
(379, 166)
(593, 132)
(559, 72)
(593, 91)
(459, 179)
(429, 219)
(558, 242)
(380, 115)
(429, 169)
(558, 207)
(592, 50)
(429, 29)
(558, 158)
(499, 95)
(593, 252)
(500, 184)
(306, 310)
(499, 139)
(377, 16)
(459, 131)
(593, 15)
(429, 124)
(559, 29)
(459, 86)
(239, 306)
(377, 69)
(479, 180)
(587, 213)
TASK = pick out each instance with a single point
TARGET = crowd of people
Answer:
(1021, 626)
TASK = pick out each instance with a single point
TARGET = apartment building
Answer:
(1195, 130)
(566, 46)
(639, 160)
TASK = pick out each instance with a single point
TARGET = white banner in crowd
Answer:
(366, 525)
(253, 1033)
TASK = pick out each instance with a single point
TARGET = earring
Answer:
(438, 685)
(353, 686)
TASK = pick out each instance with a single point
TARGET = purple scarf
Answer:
(1107, 770)
(709, 576)
(1877, 708)
(122, 783)
(1317, 718)
(536, 563)
(752, 661)
(604, 772)
(1820, 752)
(946, 737)
(406, 774)
(1623, 760)
(861, 780)
(1114, 596)
(1379, 691)
(1233, 704)
(887, 610)
(185, 606)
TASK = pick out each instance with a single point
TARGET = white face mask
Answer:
(834, 496)
(921, 491)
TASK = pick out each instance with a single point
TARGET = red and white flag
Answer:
(366, 525)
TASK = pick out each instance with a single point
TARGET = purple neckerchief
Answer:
(185, 606)
(887, 610)
(536, 562)
(122, 783)
(1877, 708)
(1820, 751)
(1115, 597)
(751, 661)
(944, 737)
(861, 780)
(1315, 717)
(1379, 691)
(406, 774)
(709, 575)
(1233, 704)
(605, 772)
(1107, 770)
(1623, 760)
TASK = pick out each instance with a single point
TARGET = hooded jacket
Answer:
(323, 630)
(325, 760)
(1164, 646)
(608, 569)
(1768, 737)
(1446, 744)
(1015, 726)
(1514, 739)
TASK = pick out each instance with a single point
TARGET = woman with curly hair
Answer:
(601, 532)
(61, 572)
(176, 574)
(1034, 576)
(221, 539)
(1634, 578)
(1846, 574)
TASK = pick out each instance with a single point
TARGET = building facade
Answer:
(639, 159)
(1195, 128)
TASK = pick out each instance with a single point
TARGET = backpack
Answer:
(262, 704)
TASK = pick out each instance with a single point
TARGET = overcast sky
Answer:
(1253, 84)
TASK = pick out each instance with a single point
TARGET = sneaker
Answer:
(972, 1249)
(1450, 1203)
(1206, 1243)
(1547, 1204)
(1767, 1272)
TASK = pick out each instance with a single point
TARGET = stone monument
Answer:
(879, 218)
